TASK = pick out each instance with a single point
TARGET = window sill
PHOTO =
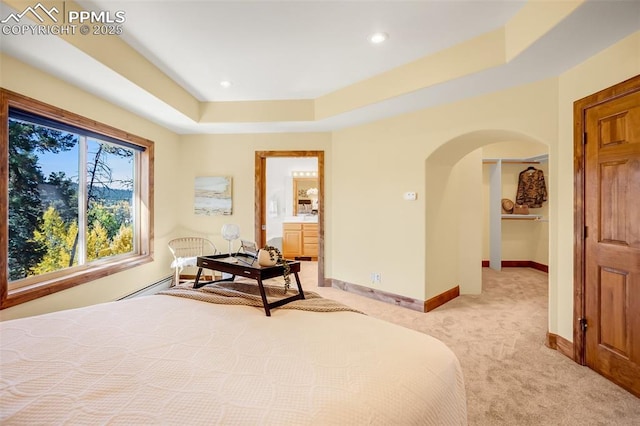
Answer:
(44, 287)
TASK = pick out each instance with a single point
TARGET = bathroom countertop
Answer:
(301, 219)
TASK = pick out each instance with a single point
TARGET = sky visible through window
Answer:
(67, 162)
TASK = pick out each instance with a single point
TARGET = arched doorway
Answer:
(454, 222)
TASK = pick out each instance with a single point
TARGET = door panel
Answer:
(613, 302)
(612, 245)
(292, 241)
(613, 202)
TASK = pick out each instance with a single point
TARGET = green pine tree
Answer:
(24, 199)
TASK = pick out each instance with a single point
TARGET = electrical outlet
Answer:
(410, 196)
(376, 278)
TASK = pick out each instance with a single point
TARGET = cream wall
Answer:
(234, 155)
(416, 245)
(23, 79)
(468, 172)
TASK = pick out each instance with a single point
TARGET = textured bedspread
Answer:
(243, 293)
(172, 360)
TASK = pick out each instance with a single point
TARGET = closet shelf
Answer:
(521, 217)
(497, 220)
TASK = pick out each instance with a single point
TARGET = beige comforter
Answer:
(171, 360)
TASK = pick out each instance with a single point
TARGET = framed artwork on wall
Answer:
(213, 196)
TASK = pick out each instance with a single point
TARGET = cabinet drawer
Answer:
(310, 240)
(310, 250)
(310, 227)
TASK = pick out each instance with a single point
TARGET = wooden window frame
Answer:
(61, 280)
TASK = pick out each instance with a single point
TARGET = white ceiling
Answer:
(304, 49)
(295, 50)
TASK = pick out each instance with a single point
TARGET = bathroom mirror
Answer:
(305, 196)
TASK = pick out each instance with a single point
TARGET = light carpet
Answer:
(511, 377)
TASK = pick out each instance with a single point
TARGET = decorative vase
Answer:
(266, 258)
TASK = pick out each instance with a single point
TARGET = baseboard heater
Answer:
(162, 284)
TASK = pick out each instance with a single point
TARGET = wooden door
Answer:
(612, 239)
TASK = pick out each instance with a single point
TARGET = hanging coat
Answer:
(532, 190)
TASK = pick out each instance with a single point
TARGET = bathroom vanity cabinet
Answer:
(300, 239)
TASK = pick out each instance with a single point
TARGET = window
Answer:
(77, 197)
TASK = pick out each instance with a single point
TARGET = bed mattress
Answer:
(169, 360)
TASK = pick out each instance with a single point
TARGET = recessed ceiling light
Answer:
(225, 84)
(377, 38)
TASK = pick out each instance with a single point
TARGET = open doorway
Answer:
(452, 222)
(271, 207)
(515, 236)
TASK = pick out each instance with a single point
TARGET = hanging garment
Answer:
(532, 190)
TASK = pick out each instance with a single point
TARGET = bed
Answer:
(163, 359)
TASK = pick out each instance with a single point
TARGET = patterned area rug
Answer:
(243, 293)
